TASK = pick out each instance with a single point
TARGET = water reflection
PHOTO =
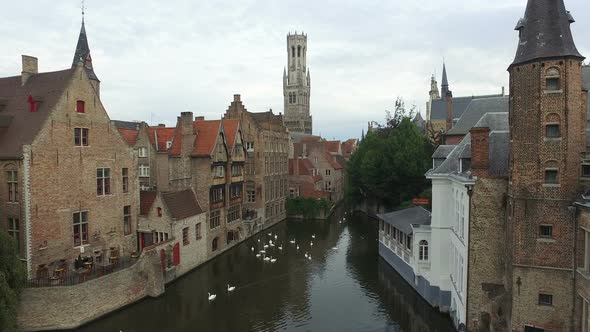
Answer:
(344, 287)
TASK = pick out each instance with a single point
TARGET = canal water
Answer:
(343, 287)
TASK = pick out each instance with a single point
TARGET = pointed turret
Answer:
(82, 54)
(544, 32)
(445, 82)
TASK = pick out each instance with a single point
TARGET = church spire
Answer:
(445, 82)
(544, 32)
(83, 51)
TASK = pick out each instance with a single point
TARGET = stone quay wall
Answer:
(68, 307)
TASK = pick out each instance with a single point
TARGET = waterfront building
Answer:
(178, 219)
(297, 86)
(266, 141)
(319, 174)
(69, 178)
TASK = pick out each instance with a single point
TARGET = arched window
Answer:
(299, 51)
(552, 79)
(292, 51)
(423, 250)
(214, 244)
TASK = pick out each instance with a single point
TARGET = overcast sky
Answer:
(158, 58)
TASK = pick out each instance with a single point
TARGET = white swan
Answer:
(276, 236)
(211, 297)
(280, 248)
(252, 248)
(311, 244)
(334, 248)
(269, 234)
(297, 247)
(313, 236)
(230, 288)
(257, 255)
(305, 255)
(272, 245)
(292, 241)
(266, 246)
(258, 240)
(309, 257)
(272, 260)
(262, 251)
(266, 259)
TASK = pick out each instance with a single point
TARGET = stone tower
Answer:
(547, 123)
(297, 85)
(432, 95)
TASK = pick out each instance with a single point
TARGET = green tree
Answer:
(12, 280)
(388, 167)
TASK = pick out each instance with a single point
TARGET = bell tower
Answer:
(547, 134)
(297, 85)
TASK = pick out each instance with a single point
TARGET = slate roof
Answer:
(266, 117)
(460, 104)
(126, 124)
(83, 54)
(476, 110)
(443, 151)
(146, 200)
(182, 204)
(19, 126)
(404, 219)
(129, 135)
(545, 32)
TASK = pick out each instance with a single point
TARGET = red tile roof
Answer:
(230, 127)
(333, 146)
(207, 133)
(159, 136)
(349, 146)
(311, 139)
(129, 135)
(146, 200)
(333, 161)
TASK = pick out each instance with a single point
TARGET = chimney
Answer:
(480, 151)
(503, 92)
(186, 122)
(449, 98)
(161, 125)
(199, 118)
(30, 67)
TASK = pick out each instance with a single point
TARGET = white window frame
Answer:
(142, 152)
(144, 171)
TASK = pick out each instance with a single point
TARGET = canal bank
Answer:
(343, 287)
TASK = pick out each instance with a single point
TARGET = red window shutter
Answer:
(80, 106)
(32, 104)
(176, 254)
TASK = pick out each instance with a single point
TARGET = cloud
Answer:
(156, 59)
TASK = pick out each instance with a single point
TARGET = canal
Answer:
(344, 286)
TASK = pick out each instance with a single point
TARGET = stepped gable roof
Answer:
(476, 110)
(545, 32)
(19, 126)
(146, 200)
(207, 133)
(460, 104)
(182, 204)
(230, 127)
(333, 146)
(159, 136)
(405, 219)
(129, 135)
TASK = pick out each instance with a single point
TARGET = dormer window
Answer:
(464, 165)
(552, 80)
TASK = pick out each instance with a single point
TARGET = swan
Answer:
(334, 248)
(269, 234)
(280, 248)
(276, 236)
(272, 245)
(309, 257)
(262, 251)
(292, 241)
(313, 236)
(297, 247)
(266, 246)
(266, 259)
(258, 240)
(311, 244)
(272, 260)
(305, 255)
(230, 288)
(252, 248)
(211, 297)
(257, 255)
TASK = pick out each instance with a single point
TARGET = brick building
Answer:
(69, 178)
(266, 169)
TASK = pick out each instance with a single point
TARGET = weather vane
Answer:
(83, 7)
